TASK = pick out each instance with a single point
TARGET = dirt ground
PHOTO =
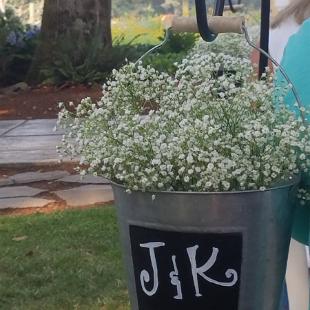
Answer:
(42, 102)
(51, 208)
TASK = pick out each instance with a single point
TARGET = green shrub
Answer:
(93, 63)
(179, 43)
(8, 23)
(177, 47)
(17, 46)
(164, 62)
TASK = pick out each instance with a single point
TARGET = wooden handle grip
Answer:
(217, 24)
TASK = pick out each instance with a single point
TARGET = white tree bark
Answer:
(2, 5)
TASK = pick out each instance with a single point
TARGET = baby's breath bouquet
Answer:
(212, 127)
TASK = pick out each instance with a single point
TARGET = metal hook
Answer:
(232, 7)
(202, 18)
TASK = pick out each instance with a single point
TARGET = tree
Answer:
(76, 23)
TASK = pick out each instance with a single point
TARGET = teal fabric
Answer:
(296, 62)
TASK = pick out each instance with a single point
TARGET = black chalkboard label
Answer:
(186, 270)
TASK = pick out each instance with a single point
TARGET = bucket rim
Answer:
(293, 181)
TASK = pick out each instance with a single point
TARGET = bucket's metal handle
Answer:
(218, 24)
(282, 70)
(202, 25)
(166, 39)
(253, 45)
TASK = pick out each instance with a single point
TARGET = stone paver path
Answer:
(6, 126)
(30, 177)
(24, 202)
(29, 141)
(37, 193)
(88, 179)
(33, 142)
(19, 191)
(5, 182)
(86, 195)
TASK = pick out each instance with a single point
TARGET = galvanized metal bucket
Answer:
(262, 220)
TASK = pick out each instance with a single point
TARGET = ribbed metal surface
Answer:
(264, 218)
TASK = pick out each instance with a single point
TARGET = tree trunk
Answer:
(78, 22)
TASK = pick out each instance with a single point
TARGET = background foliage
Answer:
(141, 7)
(133, 36)
(17, 46)
(136, 27)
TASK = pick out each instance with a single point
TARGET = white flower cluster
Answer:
(231, 44)
(211, 127)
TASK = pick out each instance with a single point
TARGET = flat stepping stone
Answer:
(29, 177)
(19, 191)
(5, 182)
(87, 179)
(86, 195)
(29, 149)
(6, 126)
(28, 143)
(25, 202)
(29, 157)
(37, 127)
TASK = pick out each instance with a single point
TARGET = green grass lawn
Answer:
(65, 260)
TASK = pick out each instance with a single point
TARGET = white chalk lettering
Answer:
(145, 276)
(174, 276)
(230, 273)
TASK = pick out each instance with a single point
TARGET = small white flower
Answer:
(210, 166)
(190, 159)
(197, 169)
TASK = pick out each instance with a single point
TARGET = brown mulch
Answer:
(42, 102)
